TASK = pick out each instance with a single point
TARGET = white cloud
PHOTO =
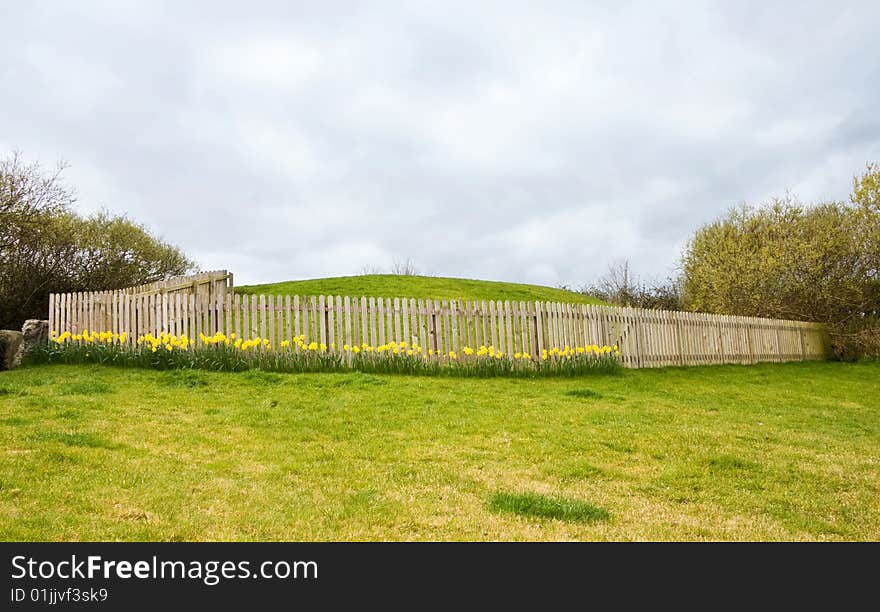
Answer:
(518, 141)
(279, 65)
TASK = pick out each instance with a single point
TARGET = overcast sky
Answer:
(532, 142)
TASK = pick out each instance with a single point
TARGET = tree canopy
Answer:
(46, 247)
(789, 260)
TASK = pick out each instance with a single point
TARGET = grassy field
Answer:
(788, 451)
(391, 285)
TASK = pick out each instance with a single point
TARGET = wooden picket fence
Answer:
(214, 283)
(647, 338)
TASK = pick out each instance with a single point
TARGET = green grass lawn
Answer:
(391, 285)
(774, 451)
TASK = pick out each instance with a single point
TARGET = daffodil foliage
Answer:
(232, 353)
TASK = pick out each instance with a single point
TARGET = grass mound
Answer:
(433, 287)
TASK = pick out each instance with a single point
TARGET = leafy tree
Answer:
(27, 197)
(788, 260)
(45, 247)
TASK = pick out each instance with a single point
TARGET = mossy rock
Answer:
(10, 348)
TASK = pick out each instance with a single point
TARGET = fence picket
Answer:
(245, 318)
(453, 319)
(404, 304)
(440, 337)
(321, 320)
(420, 325)
(493, 328)
(340, 323)
(371, 313)
(349, 339)
(296, 319)
(363, 314)
(395, 308)
(270, 319)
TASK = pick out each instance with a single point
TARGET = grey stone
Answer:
(35, 335)
(10, 348)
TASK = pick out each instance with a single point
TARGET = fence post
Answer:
(433, 328)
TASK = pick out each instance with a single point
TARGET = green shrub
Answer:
(788, 260)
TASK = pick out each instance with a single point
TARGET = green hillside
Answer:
(392, 285)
